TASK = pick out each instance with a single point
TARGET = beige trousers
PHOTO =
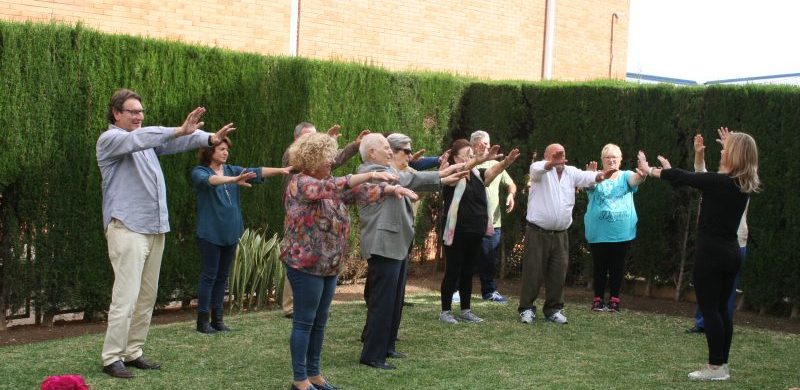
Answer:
(136, 259)
(287, 305)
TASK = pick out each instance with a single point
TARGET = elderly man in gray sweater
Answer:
(387, 230)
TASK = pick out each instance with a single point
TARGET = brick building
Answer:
(495, 39)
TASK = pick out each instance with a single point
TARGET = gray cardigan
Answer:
(387, 227)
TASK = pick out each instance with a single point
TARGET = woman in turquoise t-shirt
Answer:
(610, 222)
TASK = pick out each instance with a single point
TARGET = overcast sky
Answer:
(705, 40)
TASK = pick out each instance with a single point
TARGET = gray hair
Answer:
(398, 141)
(300, 126)
(478, 135)
(370, 141)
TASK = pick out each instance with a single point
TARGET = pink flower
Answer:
(64, 382)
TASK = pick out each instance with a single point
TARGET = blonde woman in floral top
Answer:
(316, 232)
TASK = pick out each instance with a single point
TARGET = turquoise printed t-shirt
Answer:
(611, 215)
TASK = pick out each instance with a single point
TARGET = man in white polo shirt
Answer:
(550, 202)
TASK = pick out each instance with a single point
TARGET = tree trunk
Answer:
(684, 244)
(47, 318)
(795, 311)
(648, 288)
(762, 310)
(2, 314)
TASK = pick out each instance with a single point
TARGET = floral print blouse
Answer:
(317, 222)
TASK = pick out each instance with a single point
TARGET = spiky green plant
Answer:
(257, 273)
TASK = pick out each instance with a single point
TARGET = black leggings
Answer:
(461, 258)
(716, 265)
(609, 264)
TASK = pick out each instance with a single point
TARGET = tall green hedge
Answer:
(57, 80)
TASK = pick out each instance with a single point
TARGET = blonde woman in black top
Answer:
(717, 260)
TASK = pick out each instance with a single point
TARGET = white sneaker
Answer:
(447, 317)
(527, 316)
(707, 373)
(469, 316)
(727, 369)
(557, 317)
(456, 297)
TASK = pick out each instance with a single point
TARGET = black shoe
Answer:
(216, 321)
(143, 364)
(395, 355)
(695, 329)
(324, 386)
(381, 365)
(202, 324)
(117, 370)
(307, 388)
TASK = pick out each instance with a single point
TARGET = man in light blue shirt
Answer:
(135, 219)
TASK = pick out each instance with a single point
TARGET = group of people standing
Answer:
(317, 226)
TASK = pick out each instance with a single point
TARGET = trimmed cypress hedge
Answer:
(57, 80)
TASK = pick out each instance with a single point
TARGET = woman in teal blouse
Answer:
(219, 225)
(610, 223)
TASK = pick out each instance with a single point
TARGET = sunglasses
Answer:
(406, 151)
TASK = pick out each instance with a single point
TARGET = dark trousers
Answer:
(312, 297)
(546, 261)
(715, 269)
(387, 283)
(216, 263)
(486, 265)
(698, 316)
(461, 258)
(609, 265)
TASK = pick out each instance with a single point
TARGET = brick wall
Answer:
(496, 39)
(582, 47)
(246, 25)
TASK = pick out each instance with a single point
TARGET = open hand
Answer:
(418, 155)
(400, 192)
(664, 162)
(591, 166)
(361, 136)
(699, 146)
(333, 132)
(220, 135)
(384, 176)
(512, 156)
(453, 178)
(443, 160)
(244, 176)
(722, 133)
(191, 123)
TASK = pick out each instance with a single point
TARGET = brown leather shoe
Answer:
(117, 370)
(143, 364)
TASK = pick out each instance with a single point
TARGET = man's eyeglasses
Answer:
(407, 151)
(133, 112)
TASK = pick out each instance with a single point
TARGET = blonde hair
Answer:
(609, 148)
(312, 151)
(741, 161)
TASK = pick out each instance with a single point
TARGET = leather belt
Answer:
(543, 230)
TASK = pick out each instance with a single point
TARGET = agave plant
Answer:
(257, 273)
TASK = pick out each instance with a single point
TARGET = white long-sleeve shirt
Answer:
(550, 199)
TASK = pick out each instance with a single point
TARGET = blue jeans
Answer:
(698, 317)
(312, 297)
(486, 265)
(216, 263)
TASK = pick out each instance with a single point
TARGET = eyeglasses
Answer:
(405, 150)
(133, 112)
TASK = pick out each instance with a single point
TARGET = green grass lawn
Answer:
(630, 350)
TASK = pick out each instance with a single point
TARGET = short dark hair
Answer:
(204, 155)
(118, 99)
(457, 145)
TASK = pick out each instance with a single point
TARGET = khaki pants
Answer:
(136, 259)
(546, 261)
(287, 304)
